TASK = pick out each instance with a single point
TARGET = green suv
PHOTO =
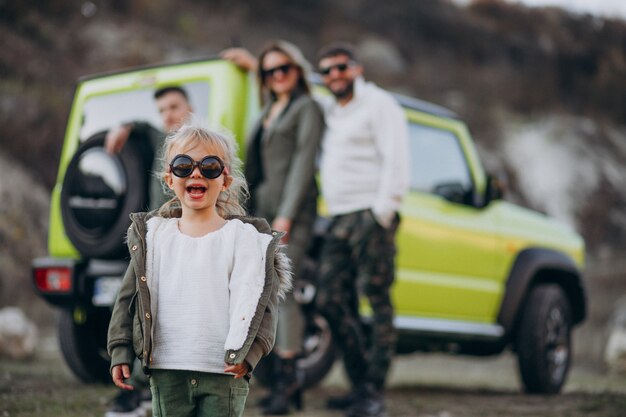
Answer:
(476, 274)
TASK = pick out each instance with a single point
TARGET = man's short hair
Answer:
(335, 49)
(170, 89)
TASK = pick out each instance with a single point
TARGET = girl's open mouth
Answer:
(196, 190)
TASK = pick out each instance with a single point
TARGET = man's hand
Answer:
(120, 373)
(116, 139)
(241, 57)
(240, 370)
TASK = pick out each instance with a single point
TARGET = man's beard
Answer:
(345, 92)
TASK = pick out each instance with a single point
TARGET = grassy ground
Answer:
(420, 385)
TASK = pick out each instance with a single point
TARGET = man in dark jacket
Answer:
(174, 107)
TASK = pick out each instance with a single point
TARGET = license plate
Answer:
(105, 290)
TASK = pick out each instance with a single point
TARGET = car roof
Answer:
(405, 101)
(425, 106)
(147, 67)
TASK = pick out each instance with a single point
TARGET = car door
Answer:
(446, 246)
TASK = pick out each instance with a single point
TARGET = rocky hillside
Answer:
(543, 90)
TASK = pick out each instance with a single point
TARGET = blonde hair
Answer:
(295, 56)
(192, 133)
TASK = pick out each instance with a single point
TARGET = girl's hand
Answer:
(240, 370)
(119, 373)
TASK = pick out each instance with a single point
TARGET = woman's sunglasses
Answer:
(210, 167)
(283, 69)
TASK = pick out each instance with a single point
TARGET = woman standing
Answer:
(280, 170)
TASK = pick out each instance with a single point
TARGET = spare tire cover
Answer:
(99, 191)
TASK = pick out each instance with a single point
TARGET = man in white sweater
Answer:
(364, 175)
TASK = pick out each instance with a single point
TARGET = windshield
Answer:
(105, 111)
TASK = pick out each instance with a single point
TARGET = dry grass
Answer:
(420, 386)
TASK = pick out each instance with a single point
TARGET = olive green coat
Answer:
(130, 329)
(281, 169)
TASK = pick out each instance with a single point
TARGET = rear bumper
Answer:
(65, 282)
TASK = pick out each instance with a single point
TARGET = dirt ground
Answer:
(421, 385)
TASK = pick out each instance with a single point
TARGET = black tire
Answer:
(543, 341)
(82, 338)
(95, 207)
(318, 356)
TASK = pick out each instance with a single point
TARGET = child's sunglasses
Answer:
(210, 167)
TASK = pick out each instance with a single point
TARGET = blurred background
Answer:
(542, 88)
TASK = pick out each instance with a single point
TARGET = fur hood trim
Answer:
(283, 267)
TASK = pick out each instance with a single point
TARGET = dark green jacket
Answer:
(130, 330)
(280, 166)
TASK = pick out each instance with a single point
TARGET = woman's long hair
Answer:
(294, 55)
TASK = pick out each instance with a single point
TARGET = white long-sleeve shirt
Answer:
(365, 154)
(204, 291)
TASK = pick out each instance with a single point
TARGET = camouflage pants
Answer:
(358, 258)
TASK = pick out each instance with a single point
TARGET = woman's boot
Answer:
(273, 361)
(286, 391)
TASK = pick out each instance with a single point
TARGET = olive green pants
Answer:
(201, 394)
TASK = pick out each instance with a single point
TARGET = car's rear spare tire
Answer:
(99, 191)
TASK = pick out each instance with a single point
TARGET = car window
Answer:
(104, 111)
(436, 159)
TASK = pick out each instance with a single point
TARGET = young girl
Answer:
(199, 299)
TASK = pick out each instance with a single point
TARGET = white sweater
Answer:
(365, 154)
(204, 292)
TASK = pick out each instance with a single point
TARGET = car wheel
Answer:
(317, 359)
(543, 341)
(99, 192)
(82, 338)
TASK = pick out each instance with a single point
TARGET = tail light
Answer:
(53, 278)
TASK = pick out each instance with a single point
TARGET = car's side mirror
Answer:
(496, 186)
(452, 191)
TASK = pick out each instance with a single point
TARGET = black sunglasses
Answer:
(210, 167)
(339, 67)
(283, 69)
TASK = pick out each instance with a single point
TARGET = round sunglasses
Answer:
(210, 166)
